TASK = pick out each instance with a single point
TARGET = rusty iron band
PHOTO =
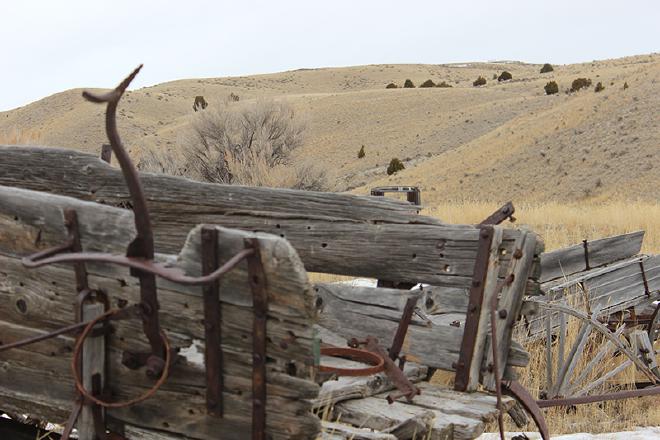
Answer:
(75, 366)
(355, 354)
(144, 265)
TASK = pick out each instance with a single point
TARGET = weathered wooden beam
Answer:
(337, 233)
(356, 312)
(567, 261)
(509, 306)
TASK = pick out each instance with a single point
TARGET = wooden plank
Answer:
(351, 315)
(511, 301)
(347, 432)
(456, 415)
(38, 380)
(611, 289)
(490, 290)
(93, 363)
(570, 260)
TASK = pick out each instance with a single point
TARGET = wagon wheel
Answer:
(588, 360)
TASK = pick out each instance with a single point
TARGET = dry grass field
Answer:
(576, 166)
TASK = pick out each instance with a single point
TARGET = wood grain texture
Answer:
(37, 379)
(570, 260)
(358, 312)
(335, 233)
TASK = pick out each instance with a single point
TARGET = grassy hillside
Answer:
(499, 141)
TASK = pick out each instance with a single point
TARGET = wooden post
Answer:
(93, 362)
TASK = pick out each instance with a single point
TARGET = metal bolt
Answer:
(517, 254)
(503, 313)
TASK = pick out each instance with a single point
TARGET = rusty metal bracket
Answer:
(504, 212)
(212, 320)
(402, 330)
(376, 363)
(647, 291)
(393, 372)
(257, 280)
(475, 303)
(527, 401)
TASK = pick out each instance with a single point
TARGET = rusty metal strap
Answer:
(475, 303)
(504, 212)
(647, 291)
(585, 245)
(257, 280)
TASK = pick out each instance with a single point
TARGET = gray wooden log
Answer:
(511, 303)
(350, 234)
(38, 380)
(93, 362)
(570, 260)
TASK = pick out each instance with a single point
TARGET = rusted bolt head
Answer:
(472, 308)
(155, 366)
(476, 283)
(284, 345)
(503, 313)
(517, 254)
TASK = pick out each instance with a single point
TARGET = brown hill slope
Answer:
(500, 141)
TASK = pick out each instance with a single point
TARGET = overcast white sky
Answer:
(53, 45)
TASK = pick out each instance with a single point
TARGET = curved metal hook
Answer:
(143, 245)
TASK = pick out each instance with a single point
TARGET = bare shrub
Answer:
(241, 144)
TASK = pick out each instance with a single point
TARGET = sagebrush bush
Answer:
(443, 84)
(599, 87)
(551, 88)
(408, 84)
(361, 153)
(479, 81)
(395, 166)
(200, 103)
(240, 144)
(427, 83)
(233, 97)
(580, 83)
(504, 76)
(547, 68)
(391, 86)
(625, 85)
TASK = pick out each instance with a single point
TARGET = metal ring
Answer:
(377, 363)
(76, 371)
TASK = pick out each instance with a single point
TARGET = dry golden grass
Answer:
(15, 136)
(562, 225)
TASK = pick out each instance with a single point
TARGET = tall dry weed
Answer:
(16, 136)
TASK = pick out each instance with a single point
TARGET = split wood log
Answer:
(357, 312)
(454, 415)
(37, 379)
(570, 260)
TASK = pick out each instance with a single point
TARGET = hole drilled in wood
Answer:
(447, 268)
(21, 306)
(324, 245)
